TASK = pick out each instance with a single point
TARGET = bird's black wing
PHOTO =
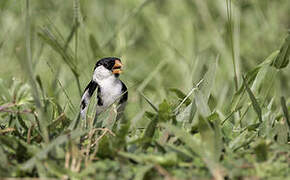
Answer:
(122, 102)
(89, 91)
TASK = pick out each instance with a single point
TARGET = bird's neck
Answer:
(107, 80)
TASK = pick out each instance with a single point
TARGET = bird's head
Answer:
(106, 67)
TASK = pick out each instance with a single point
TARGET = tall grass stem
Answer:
(229, 16)
(28, 70)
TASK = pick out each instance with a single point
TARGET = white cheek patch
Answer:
(101, 73)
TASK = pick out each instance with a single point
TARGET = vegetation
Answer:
(208, 86)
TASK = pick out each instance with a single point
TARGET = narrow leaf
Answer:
(180, 95)
(282, 60)
(208, 79)
(285, 111)
(257, 107)
(149, 102)
(201, 104)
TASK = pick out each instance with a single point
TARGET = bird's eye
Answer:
(105, 64)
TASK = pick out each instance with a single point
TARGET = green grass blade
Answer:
(254, 101)
(42, 154)
(283, 58)
(285, 111)
(25, 62)
(149, 131)
(149, 102)
(142, 171)
(201, 104)
(209, 78)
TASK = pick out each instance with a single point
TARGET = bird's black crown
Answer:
(107, 62)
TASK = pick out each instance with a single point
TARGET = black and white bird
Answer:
(110, 88)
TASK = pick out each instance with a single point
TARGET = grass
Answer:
(208, 86)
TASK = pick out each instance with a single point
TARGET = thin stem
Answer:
(229, 15)
(78, 84)
(76, 22)
(188, 95)
(72, 107)
(30, 75)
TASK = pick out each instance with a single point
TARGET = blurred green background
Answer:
(227, 129)
(162, 43)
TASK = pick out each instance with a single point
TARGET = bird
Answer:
(110, 88)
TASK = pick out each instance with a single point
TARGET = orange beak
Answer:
(117, 67)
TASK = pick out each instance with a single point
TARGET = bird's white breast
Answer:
(111, 90)
(110, 86)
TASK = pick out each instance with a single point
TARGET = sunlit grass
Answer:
(208, 86)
